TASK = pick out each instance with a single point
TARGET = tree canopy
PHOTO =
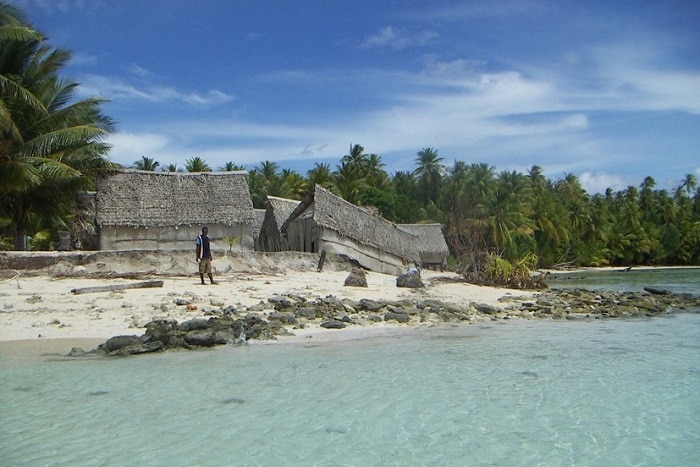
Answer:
(51, 145)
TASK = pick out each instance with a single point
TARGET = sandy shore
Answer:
(41, 308)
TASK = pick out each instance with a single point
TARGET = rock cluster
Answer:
(581, 303)
(285, 312)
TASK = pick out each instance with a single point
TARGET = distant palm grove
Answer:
(52, 148)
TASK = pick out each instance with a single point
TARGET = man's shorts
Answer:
(205, 266)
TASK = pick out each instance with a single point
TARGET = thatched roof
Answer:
(430, 237)
(137, 198)
(276, 213)
(333, 212)
(281, 208)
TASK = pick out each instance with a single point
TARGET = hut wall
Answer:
(173, 238)
(302, 233)
(429, 259)
(269, 238)
(369, 257)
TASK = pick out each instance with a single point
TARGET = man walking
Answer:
(204, 258)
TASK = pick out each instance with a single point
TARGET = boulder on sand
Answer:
(356, 278)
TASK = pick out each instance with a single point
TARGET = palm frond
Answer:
(19, 33)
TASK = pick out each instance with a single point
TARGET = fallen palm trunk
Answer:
(112, 288)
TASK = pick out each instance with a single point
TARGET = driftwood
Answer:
(564, 265)
(112, 288)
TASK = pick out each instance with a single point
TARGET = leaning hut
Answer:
(326, 222)
(432, 246)
(277, 212)
(141, 210)
(257, 225)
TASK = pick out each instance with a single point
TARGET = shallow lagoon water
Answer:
(521, 393)
(594, 392)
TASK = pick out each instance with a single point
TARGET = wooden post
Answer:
(321, 260)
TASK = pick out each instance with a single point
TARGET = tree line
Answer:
(510, 214)
(52, 146)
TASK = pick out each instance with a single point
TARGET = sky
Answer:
(605, 90)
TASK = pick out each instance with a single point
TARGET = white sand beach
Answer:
(40, 307)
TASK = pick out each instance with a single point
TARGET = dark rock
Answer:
(400, 317)
(146, 347)
(129, 345)
(486, 309)
(281, 302)
(370, 305)
(200, 337)
(412, 281)
(655, 291)
(194, 324)
(224, 337)
(283, 317)
(117, 342)
(333, 324)
(305, 312)
(356, 278)
(344, 319)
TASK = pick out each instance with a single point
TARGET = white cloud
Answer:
(139, 71)
(390, 37)
(128, 147)
(116, 89)
(598, 182)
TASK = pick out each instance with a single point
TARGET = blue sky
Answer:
(606, 90)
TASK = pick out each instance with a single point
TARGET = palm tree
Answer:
(256, 186)
(356, 159)
(429, 173)
(269, 169)
(173, 168)
(689, 183)
(320, 175)
(374, 173)
(272, 182)
(49, 147)
(230, 167)
(294, 186)
(14, 27)
(146, 163)
(196, 164)
(348, 182)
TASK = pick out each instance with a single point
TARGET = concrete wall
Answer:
(172, 238)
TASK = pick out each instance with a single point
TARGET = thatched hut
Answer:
(277, 211)
(326, 222)
(432, 246)
(141, 210)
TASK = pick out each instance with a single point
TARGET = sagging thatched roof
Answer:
(137, 198)
(430, 237)
(357, 223)
(280, 209)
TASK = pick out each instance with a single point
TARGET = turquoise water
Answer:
(677, 280)
(593, 393)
